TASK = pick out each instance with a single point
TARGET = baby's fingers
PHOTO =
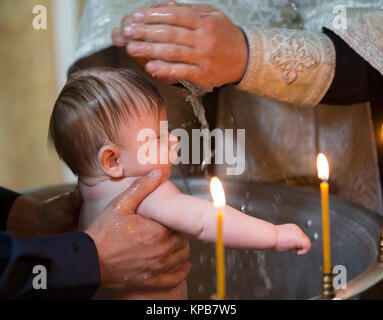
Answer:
(300, 252)
(305, 248)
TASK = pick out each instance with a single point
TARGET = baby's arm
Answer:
(197, 217)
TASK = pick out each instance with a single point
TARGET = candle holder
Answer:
(327, 286)
(380, 248)
(214, 297)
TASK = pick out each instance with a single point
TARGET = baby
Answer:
(94, 127)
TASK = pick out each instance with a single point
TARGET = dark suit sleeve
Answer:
(7, 198)
(71, 262)
(355, 79)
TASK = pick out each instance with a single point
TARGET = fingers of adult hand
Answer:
(128, 201)
(169, 52)
(174, 260)
(126, 20)
(169, 81)
(169, 279)
(200, 7)
(160, 33)
(118, 38)
(168, 70)
(165, 3)
(167, 242)
(178, 240)
(172, 15)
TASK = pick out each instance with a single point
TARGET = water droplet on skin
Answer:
(130, 228)
(126, 278)
(159, 14)
(132, 191)
(116, 221)
(117, 208)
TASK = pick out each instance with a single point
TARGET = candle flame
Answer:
(217, 192)
(322, 166)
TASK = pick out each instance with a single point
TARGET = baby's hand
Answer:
(292, 238)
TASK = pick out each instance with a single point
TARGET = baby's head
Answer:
(96, 119)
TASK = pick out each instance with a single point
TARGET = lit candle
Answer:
(218, 195)
(323, 174)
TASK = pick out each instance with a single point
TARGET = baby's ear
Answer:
(110, 162)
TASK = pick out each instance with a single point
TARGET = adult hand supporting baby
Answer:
(136, 253)
(195, 42)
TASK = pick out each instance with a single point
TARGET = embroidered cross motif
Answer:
(292, 58)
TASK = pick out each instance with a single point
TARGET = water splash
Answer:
(245, 204)
(261, 260)
(194, 98)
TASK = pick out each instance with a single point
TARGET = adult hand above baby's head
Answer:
(134, 252)
(194, 42)
(120, 41)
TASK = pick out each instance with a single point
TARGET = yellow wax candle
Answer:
(324, 187)
(323, 174)
(220, 258)
(218, 195)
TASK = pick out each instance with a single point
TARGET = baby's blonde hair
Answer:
(90, 109)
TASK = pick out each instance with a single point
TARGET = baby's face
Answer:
(133, 150)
